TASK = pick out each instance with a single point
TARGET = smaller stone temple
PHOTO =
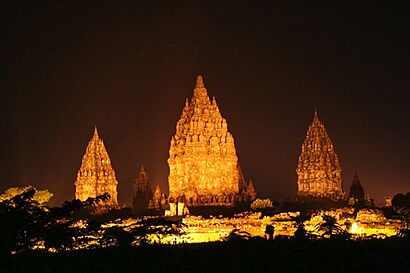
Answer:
(96, 176)
(142, 192)
(159, 201)
(145, 202)
(250, 194)
(318, 170)
(356, 194)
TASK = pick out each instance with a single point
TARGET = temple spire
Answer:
(200, 94)
(356, 179)
(315, 115)
(95, 135)
(157, 190)
(199, 82)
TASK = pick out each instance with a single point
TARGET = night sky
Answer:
(128, 67)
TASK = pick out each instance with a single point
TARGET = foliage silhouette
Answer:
(40, 196)
(22, 220)
(237, 235)
(401, 200)
(26, 224)
(301, 233)
(405, 225)
(117, 236)
(329, 227)
(159, 228)
(240, 256)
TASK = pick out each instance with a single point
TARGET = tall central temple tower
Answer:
(319, 171)
(96, 175)
(203, 166)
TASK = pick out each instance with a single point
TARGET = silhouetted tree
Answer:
(60, 236)
(329, 227)
(237, 235)
(158, 227)
(40, 196)
(26, 224)
(401, 200)
(117, 236)
(300, 233)
(405, 224)
(59, 233)
(21, 222)
(388, 212)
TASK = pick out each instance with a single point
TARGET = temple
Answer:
(250, 194)
(159, 201)
(203, 166)
(356, 193)
(318, 170)
(96, 175)
(142, 192)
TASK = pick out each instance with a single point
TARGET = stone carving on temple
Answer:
(318, 170)
(96, 176)
(142, 192)
(203, 166)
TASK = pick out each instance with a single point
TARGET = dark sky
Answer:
(128, 67)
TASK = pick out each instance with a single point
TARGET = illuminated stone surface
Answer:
(96, 175)
(318, 170)
(142, 192)
(203, 166)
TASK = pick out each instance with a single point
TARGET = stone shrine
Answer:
(159, 200)
(96, 175)
(142, 192)
(356, 192)
(318, 170)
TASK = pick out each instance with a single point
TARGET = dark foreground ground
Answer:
(390, 255)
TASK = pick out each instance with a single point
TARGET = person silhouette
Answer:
(269, 230)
